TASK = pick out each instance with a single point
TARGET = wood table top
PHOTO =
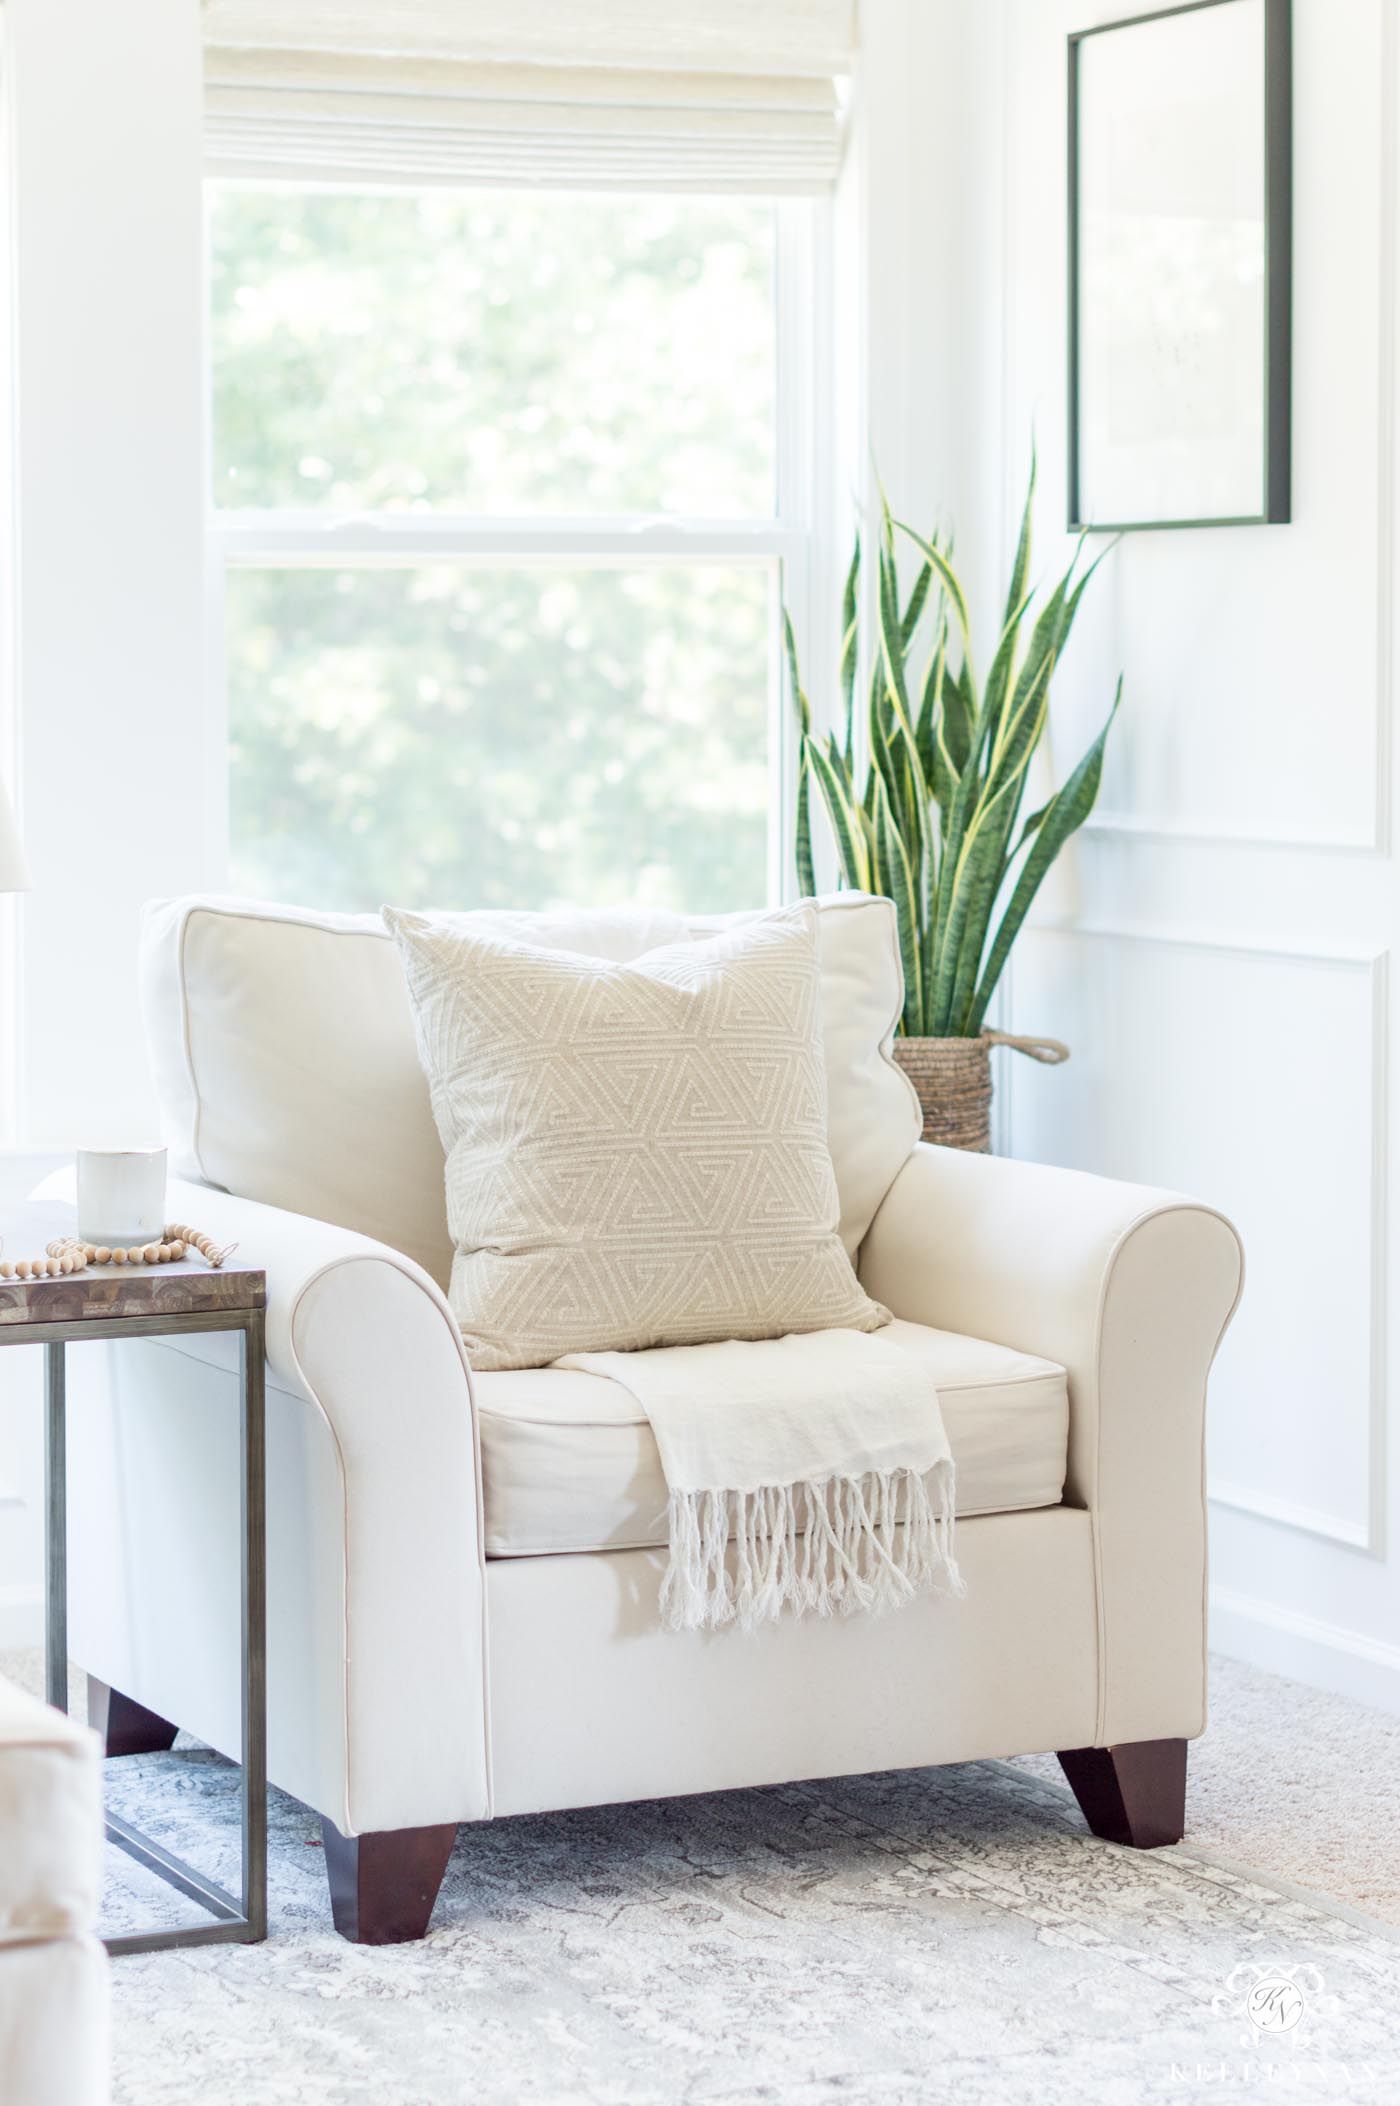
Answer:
(185, 1287)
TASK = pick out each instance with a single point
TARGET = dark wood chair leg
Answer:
(126, 1727)
(383, 1885)
(1134, 1793)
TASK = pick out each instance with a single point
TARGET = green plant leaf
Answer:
(917, 600)
(964, 824)
(1051, 631)
(1064, 815)
(1020, 569)
(959, 714)
(976, 880)
(931, 701)
(935, 817)
(947, 578)
(963, 837)
(930, 731)
(906, 782)
(802, 845)
(850, 650)
(802, 836)
(847, 820)
(1025, 720)
(880, 731)
(898, 882)
(988, 728)
(799, 696)
(1029, 826)
(1021, 734)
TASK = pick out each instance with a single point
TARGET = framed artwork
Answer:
(1180, 280)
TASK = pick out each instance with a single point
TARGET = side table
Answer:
(155, 1301)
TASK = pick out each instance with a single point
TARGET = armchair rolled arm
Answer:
(1130, 1289)
(369, 1341)
(376, 1575)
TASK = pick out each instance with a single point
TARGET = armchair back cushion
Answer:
(283, 1051)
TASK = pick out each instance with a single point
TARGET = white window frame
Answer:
(793, 547)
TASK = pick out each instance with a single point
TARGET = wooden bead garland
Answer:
(195, 1239)
(67, 1255)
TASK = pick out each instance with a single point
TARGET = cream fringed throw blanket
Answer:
(808, 1451)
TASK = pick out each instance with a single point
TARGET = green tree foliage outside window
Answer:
(495, 733)
(454, 736)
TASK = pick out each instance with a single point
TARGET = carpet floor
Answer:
(1294, 1783)
(917, 1936)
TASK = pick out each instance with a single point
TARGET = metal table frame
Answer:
(241, 1920)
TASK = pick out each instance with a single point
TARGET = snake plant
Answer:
(934, 825)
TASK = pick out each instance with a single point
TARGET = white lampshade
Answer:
(14, 871)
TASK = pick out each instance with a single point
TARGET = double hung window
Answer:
(517, 440)
(504, 486)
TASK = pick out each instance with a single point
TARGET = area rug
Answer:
(928, 1935)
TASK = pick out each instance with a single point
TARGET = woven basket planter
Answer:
(952, 1079)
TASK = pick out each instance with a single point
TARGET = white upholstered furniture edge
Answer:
(415, 1683)
(54, 1997)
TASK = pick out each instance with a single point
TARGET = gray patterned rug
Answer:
(919, 1936)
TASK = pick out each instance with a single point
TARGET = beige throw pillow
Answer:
(636, 1154)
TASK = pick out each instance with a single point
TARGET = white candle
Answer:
(121, 1195)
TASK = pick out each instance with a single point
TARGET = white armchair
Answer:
(463, 1573)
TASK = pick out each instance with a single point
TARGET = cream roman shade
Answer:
(652, 94)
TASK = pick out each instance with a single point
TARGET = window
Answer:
(503, 483)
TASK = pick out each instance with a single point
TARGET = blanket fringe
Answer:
(826, 1548)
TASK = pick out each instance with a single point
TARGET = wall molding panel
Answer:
(1364, 1528)
(1122, 826)
(1333, 1528)
(1221, 943)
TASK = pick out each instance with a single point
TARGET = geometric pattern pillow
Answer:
(636, 1154)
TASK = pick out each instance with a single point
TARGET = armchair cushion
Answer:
(282, 1048)
(636, 1153)
(569, 1463)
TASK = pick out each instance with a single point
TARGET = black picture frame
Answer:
(1276, 351)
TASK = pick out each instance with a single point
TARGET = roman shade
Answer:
(732, 95)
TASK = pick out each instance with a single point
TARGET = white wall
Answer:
(21, 1450)
(105, 158)
(1217, 949)
(927, 174)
